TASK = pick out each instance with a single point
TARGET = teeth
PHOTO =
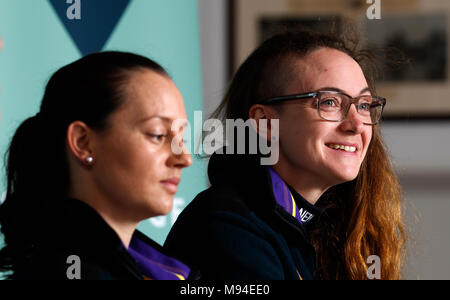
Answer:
(342, 147)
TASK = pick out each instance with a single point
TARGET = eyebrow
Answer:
(335, 89)
(165, 119)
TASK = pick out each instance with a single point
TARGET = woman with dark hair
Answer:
(329, 202)
(94, 162)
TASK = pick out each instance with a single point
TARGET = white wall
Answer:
(213, 34)
(421, 154)
(420, 150)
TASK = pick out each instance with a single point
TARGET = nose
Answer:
(353, 121)
(181, 160)
(185, 160)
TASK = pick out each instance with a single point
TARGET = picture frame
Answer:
(416, 90)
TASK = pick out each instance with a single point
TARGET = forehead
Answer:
(148, 93)
(327, 67)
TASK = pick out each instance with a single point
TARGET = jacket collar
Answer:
(260, 186)
(153, 263)
(292, 202)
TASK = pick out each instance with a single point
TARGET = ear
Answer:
(260, 112)
(79, 140)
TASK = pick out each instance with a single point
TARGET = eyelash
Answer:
(157, 137)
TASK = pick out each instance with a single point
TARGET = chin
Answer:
(166, 211)
(165, 205)
(345, 175)
(157, 206)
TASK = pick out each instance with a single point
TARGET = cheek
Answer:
(143, 165)
(133, 179)
(129, 163)
(298, 140)
(367, 139)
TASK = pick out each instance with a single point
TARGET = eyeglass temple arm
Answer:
(289, 97)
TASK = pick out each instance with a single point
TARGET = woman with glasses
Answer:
(93, 163)
(331, 202)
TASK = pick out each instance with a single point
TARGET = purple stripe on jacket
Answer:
(155, 265)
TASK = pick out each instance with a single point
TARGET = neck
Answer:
(123, 227)
(307, 186)
(113, 214)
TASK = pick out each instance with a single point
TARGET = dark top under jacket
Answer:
(239, 229)
(74, 228)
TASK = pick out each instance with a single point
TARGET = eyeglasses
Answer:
(334, 106)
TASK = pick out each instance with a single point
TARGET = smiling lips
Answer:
(344, 147)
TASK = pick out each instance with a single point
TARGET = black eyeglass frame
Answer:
(380, 101)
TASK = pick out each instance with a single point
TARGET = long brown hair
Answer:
(362, 217)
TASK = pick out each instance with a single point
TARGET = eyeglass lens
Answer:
(334, 107)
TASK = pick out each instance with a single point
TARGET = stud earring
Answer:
(89, 160)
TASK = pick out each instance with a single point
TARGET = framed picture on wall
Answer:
(415, 82)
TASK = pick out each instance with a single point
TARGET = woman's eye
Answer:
(329, 102)
(157, 137)
(364, 106)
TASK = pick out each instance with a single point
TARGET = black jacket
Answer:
(74, 228)
(236, 230)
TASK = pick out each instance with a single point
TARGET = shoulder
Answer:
(219, 216)
(218, 205)
(219, 198)
(208, 235)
